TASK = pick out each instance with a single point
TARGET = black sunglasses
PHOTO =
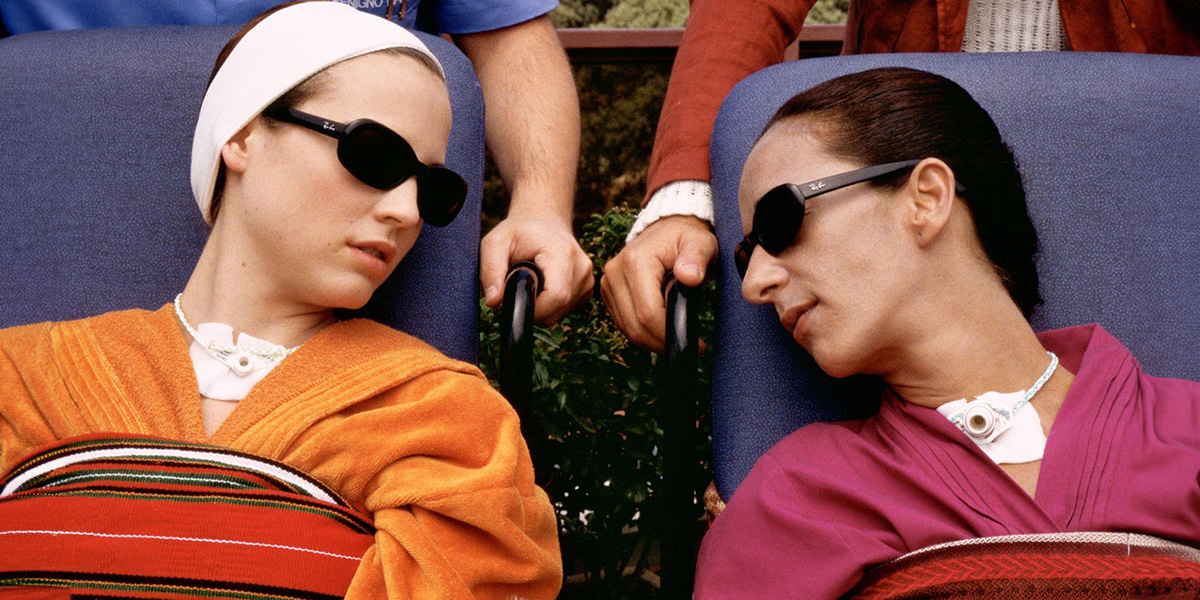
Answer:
(780, 212)
(382, 159)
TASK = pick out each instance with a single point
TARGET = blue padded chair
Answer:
(1109, 146)
(96, 209)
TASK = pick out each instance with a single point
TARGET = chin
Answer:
(355, 301)
(348, 297)
(354, 305)
(836, 364)
(836, 370)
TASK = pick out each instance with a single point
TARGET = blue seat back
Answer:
(1109, 148)
(96, 210)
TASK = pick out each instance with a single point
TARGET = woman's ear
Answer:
(235, 153)
(931, 190)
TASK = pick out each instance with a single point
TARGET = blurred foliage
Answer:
(620, 104)
(598, 399)
(827, 12)
(646, 13)
(580, 13)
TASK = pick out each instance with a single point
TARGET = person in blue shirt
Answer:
(532, 116)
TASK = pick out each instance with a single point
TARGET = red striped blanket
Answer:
(1070, 566)
(142, 517)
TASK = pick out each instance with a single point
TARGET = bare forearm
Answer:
(532, 113)
(532, 127)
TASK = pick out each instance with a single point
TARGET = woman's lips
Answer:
(375, 257)
(381, 250)
(794, 318)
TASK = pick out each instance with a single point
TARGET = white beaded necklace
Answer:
(234, 356)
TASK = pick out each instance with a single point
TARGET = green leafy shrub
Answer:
(598, 398)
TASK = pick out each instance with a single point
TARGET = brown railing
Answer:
(635, 45)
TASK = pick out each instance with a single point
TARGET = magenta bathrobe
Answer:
(834, 499)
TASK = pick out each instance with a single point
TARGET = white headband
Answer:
(279, 53)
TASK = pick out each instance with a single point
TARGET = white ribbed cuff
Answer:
(689, 197)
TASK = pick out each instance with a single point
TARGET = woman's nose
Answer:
(764, 276)
(399, 205)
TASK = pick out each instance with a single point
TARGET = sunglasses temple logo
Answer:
(814, 187)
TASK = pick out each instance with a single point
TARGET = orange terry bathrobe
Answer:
(417, 440)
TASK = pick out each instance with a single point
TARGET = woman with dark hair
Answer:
(886, 223)
(242, 441)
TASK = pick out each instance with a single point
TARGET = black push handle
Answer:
(678, 416)
(522, 285)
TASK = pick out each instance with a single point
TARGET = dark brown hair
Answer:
(892, 114)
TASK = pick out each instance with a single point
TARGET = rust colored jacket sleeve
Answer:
(723, 43)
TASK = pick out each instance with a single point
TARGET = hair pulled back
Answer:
(892, 114)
